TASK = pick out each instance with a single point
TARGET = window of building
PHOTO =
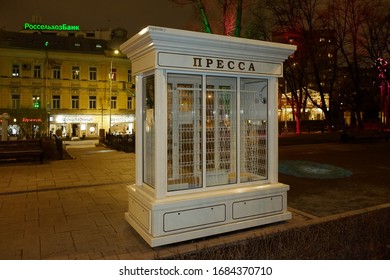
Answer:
(75, 101)
(113, 74)
(92, 102)
(129, 102)
(76, 72)
(129, 76)
(15, 101)
(56, 72)
(56, 102)
(36, 101)
(113, 102)
(37, 71)
(15, 70)
(93, 73)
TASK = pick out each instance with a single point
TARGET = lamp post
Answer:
(110, 76)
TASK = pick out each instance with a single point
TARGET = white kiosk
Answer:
(206, 134)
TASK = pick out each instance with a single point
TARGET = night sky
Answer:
(133, 15)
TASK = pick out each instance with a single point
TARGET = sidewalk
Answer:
(74, 209)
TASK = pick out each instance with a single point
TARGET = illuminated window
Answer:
(76, 72)
(15, 70)
(113, 74)
(36, 102)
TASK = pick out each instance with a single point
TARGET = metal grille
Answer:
(220, 136)
(184, 136)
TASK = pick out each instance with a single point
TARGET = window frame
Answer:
(15, 72)
(92, 102)
(75, 72)
(37, 71)
(56, 72)
(75, 101)
(93, 73)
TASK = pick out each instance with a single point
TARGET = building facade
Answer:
(67, 82)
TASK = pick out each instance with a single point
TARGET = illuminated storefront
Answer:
(312, 110)
(64, 81)
(89, 125)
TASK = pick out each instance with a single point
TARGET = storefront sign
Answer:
(91, 119)
(62, 119)
(218, 64)
(122, 119)
(27, 120)
(51, 27)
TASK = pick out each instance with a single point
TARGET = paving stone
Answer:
(80, 214)
(56, 244)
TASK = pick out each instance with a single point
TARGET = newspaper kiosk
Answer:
(206, 134)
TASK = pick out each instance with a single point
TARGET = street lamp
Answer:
(111, 76)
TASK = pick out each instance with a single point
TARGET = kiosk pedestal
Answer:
(206, 134)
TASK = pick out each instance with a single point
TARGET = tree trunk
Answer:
(206, 24)
(237, 31)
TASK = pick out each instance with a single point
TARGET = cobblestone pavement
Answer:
(74, 209)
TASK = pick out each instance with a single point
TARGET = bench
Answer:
(358, 136)
(22, 149)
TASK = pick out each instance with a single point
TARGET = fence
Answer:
(124, 143)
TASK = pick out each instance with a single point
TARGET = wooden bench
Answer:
(359, 136)
(22, 149)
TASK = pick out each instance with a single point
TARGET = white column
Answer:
(272, 99)
(139, 130)
(161, 133)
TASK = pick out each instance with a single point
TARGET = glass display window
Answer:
(148, 98)
(253, 130)
(205, 127)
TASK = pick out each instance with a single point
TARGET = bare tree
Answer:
(315, 61)
(362, 29)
